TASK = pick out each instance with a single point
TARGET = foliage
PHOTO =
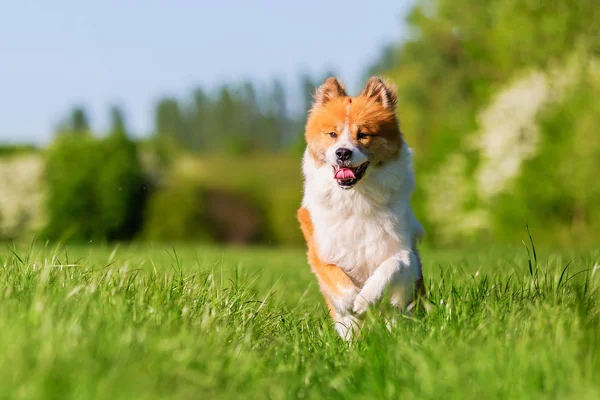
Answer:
(558, 187)
(227, 198)
(96, 188)
(458, 56)
(234, 120)
(9, 150)
(177, 212)
(185, 208)
(75, 123)
(272, 183)
(496, 98)
(94, 322)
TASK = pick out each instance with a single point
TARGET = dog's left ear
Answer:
(381, 91)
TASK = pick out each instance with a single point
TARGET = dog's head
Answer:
(353, 134)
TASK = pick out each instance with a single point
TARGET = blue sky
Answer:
(59, 53)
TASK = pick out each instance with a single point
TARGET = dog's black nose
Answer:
(343, 154)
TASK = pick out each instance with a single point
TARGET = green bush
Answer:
(186, 209)
(176, 212)
(96, 188)
(271, 182)
(234, 199)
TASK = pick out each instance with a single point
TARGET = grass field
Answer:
(183, 322)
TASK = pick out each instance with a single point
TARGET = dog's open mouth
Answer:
(347, 177)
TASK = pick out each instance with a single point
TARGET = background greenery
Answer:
(497, 99)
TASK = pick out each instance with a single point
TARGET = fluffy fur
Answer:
(361, 233)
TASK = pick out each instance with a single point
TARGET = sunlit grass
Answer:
(204, 322)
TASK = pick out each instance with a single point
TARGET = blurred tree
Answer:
(455, 61)
(96, 187)
(236, 119)
(224, 137)
(168, 128)
(117, 122)
(307, 87)
(250, 115)
(201, 124)
(169, 122)
(279, 110)
(79, 121)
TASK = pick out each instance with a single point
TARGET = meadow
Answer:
(183, 321)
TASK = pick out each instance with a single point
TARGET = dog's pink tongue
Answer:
(344, 173)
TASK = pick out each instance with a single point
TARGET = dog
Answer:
(356, 216)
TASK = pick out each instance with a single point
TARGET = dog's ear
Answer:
(330, 89)
(381, 91)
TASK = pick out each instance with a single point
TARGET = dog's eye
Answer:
(360, 136)
(333, 134)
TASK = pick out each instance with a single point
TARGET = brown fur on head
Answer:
(367, 123)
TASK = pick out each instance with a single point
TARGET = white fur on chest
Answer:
(358, 243)
(360, 228)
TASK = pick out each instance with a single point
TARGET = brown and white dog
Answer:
(356, 215)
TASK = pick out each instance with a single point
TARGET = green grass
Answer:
(195, 322)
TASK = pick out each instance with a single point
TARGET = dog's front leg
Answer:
(340, 298)
(337, 287)
(400, 271)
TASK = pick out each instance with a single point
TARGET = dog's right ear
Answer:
(330, 89)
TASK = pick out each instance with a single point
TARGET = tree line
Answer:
(233, 119)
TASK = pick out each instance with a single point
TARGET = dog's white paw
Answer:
(348, 327)
(361, 304)
(370, 294)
